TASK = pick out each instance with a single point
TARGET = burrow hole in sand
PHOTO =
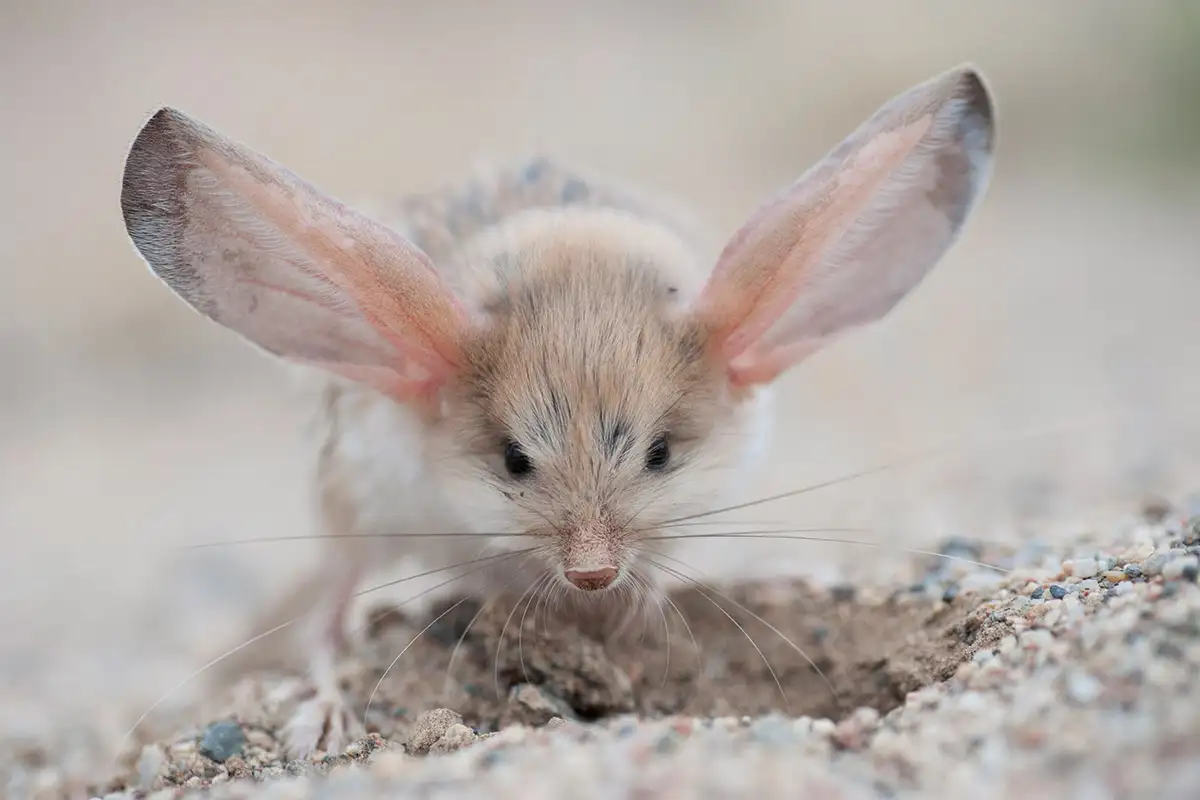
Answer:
(870, 654)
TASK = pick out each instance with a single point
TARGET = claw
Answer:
(320, 724)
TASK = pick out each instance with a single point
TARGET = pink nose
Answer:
(593, 579)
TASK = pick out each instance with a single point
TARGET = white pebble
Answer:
(1081, 567)
(972, 702)
(982, 656)
(1037, 638)
(150, 765)
(1083, 688)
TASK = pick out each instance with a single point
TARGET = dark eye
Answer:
(515, 460)
(658, 455)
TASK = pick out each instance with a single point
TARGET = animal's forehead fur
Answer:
(587, 339)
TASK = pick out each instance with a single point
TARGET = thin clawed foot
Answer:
(320, 723)
(323, 722)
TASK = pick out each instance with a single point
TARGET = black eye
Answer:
(658, 455)
(515, 460)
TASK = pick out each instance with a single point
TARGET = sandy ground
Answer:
(129, 429)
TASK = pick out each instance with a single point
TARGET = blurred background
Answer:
(128, 426)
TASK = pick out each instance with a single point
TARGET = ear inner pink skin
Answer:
(421, 319)
(840, 247)
(786, 240)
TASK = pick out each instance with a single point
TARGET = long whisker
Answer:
(483, 607)
(696, 647)
(799, 650)
(704, 522)
(503, 630)
(259, 637)
(521, 626)
(646, 592)
(403, 650)
(316, 536)
(719, 607)
(894, 464)
(434, 621)
(830, 540)
(543, 592)
(457, 645)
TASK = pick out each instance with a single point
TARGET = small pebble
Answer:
(1114, 576)
(456, 737)
(1057, 592)
(538, 704)
(843, 593)
(1082, 567)
(1191, 530)
(149, 765)
(1089, 585)
(823, 727)
(1037, 639)
(430, 727)
(1083, 688)
(1133, 570)
(222, 741)
(1154, 564)
(1176, 568)
(983, 656)
(773, 729)
(1038, 593)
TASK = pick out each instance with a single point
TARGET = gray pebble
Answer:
(1133, 570)
(1175, 568)
(574, 190)
(1154, 564)
(960, 547)
(222, 741)
(1057, 592)
(1191, 528)
(843, 593)
(773, 729)
(540, 702)
(1038, 593)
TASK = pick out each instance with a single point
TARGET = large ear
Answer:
(840, 246)
(262, 252)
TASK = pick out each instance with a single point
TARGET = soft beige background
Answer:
(128, 426)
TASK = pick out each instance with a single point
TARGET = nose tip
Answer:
(592, 580)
